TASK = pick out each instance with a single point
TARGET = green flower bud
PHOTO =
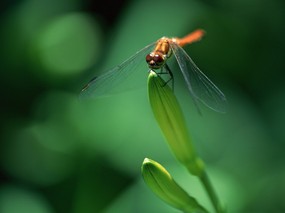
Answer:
(169, 116)
(163, 185)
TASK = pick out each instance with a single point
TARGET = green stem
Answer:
(211, 192)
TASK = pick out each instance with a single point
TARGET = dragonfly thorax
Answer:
(157, 58)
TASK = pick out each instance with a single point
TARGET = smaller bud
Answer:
(163, 185)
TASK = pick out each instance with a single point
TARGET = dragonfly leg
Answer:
(166, 70)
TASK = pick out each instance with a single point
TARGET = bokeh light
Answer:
(17, 199)
(69, 44)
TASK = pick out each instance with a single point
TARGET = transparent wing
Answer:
(199, 85)
(112, 80)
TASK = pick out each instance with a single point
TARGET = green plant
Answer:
(169, 116)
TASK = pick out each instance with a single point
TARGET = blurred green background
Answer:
(61, 155)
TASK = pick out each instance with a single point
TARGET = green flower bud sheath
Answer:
(163, 185)
(169, 116)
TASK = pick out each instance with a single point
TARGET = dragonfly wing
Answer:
(199, 85)
(110, 81)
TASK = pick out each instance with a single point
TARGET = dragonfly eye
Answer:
(148, 58)
(155, 61)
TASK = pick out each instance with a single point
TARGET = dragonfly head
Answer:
(155, 60)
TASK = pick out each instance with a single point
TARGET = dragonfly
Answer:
(156, 55)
